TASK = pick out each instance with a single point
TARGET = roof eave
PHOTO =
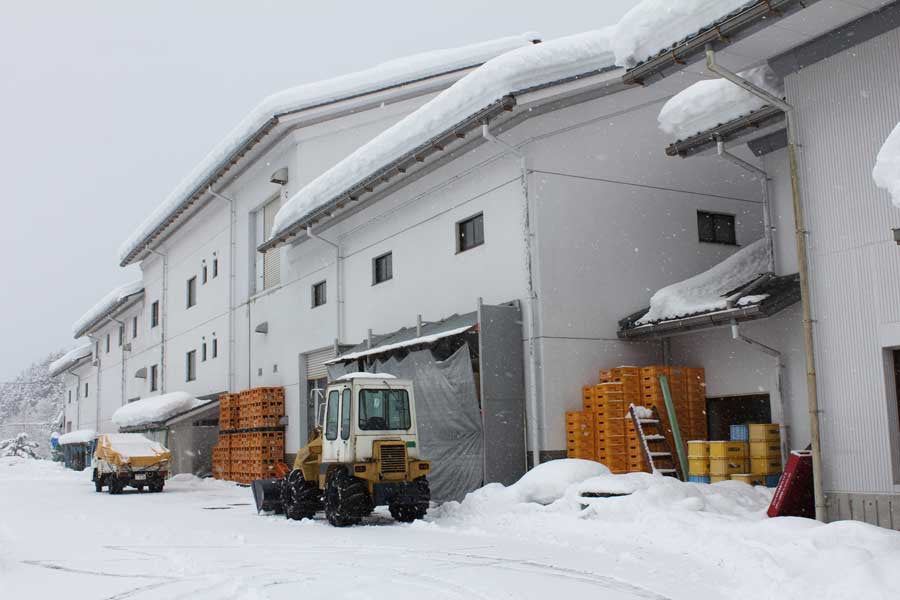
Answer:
(696, 144)
(105, 316)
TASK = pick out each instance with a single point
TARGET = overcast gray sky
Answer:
(105, 106)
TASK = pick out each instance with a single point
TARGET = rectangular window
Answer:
(346, 397)
(384, 410)
(215, 267)
(203, 352)
(134, 328)
(107, 343)
(272, 258)
(470, 233)
(154, 314)
(190, 367)
(70, 396)
(154, 378)
(68, 426)
(96, 350)
(191, 292)
(215, 349)
(716, 228)
(331, 416)
(382, 268)
(318, 294)
(121, 335)
(85, 389)
(204, 274)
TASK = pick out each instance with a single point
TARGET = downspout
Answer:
(77, 401)
(121, 325)
(339, 275)
(532, 295)
(767, 209)
(96, 351)
(163, 315)
(779, 381)
(232, 227)
(800, 235)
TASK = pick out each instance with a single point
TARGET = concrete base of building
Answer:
(882, 510)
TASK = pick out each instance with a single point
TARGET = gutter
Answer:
(232, 247)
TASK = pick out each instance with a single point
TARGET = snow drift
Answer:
(709, 103)
(388, 74)
(154, 409)
(514, 71)
(655, 25)
(705, 292)
(106, 304)
(887, 166)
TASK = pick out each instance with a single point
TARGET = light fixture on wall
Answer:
(896, 235)
(280, 176)
(141, 373)
(262, 327)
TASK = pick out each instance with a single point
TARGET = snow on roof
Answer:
(887, 166)
(517, 70)
(385, 75)
(655, 25)
(364, 375)
(425, 339)
(154, 409)
(81, 436)
(705, 292)
(106, 306)
(70, 358)
(712, 102)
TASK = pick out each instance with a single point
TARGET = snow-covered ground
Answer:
(202, 539)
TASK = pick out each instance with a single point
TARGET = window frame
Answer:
(134, 327)
(315, 297)
(331, 436)
(86, 389)
(203, 352)
(107, 343)
(346, 411)
(360, 411)
(460, 234)
(215, 268)
(204, 277)
(215, 347)
(390, 268)
(154, 378)
(154, 314)
(191, 292)
(121, 335)
(190, 367)
(716, 228)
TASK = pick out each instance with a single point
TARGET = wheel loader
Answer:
(363, 453)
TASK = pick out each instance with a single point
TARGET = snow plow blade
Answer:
(267, 495)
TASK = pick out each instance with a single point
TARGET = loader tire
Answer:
(347, 499)
(413, 504)
(115, 486)
(156, 487)
(300, 499)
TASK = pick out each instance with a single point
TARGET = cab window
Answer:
(382, 410)
(331, 416)
(345, 413)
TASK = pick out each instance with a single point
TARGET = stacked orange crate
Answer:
(610, 427)
(636, 460)
(695, 388)
(221, 457)
(579, 435)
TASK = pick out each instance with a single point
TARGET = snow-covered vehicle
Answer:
(130, 459)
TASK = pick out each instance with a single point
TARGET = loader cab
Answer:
(361, 411)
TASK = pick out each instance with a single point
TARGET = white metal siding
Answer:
(847, 106)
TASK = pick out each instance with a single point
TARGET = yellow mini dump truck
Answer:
(130, 459)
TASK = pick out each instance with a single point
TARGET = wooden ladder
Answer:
(650, 432)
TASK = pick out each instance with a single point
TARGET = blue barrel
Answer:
(698, 478)
(772, 480)
(740, 433)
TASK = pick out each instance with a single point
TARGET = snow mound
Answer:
(106, 304)
(363, 375)
(81, 436)
(705, 292)
(707, 104)
(134, 444)
(389, 74)
(514, 71)
(549, 481)
(64, 362)
(655, 25)
(887, 166)
(154, 409)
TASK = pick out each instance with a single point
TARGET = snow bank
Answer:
(64, 362)
(709, 103)
(106, 304)
(388, 74)
(704, 292)
(154, 409)
(887, 166)
(362, 374)
(549, 481)
(425, 339)
(511, 72)
(655, 25)
(81, 436)
(134, 444)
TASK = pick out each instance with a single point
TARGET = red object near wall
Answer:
(794, 494)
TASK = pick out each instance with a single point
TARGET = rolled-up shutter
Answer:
(272, 258)
(315, 363)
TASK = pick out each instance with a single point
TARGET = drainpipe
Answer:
(77, 402)
(767, 209)
(338, 275)
(163, 315)
(232, 242)
(121, 325)
(96, 343)
(779, 381)
(802, 259)
(532, 295)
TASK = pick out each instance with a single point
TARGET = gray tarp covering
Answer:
(447, 415)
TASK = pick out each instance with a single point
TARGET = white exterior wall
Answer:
(847, 104)
(81, 411)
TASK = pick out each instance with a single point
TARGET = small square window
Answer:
(318, 294)
(191, 292)
(716, 228)
(470, 233)
(382, 268)
(154, 314)
(190, 368)
(215, 347)
(154, 378)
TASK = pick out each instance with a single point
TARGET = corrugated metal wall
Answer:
(847, 106)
